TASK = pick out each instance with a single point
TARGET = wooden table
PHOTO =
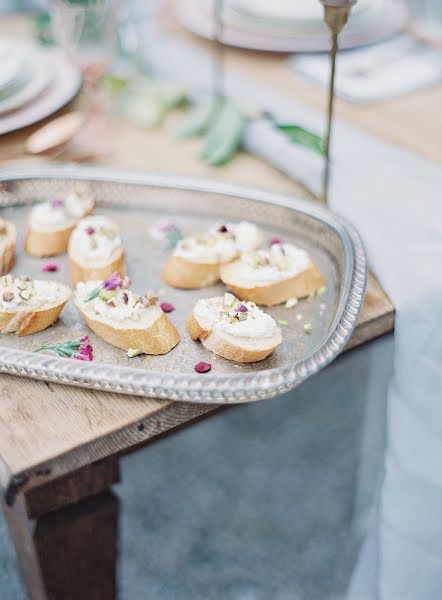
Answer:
(59, 446)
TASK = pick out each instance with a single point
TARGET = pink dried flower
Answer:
(222, 229)
(241, 309)
(50, 268)
(80, 350)
(90, 230)
(276, 240)
(202, 367)
(167, 307)
(56, 203)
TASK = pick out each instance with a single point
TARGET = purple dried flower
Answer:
(56, 203)
(241, 309)
(167, 307)
(50, 268)
(90, 230)
(202, 367)
(114, 282)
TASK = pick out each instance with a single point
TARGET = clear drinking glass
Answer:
(87, 31)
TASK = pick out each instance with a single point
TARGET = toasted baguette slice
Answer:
(270, 277)
(8, 239)
(215, 323)
(28, 306)
(196, 260)
(51, 223)
(95, 250)
(184, 274)
(113, 318)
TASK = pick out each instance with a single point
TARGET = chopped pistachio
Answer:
(133, 352)
(242, 316)
(282, 322)
(106, 295)
(308, 328)
(291, 302)
(228, 300)
(322, 290)
(25, 294)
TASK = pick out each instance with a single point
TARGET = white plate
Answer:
(65, 84)
(40, 76)
(12, 66)
(387, 20)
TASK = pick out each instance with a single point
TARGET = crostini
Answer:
(51, 222)
(235, 330)
(28, 306)
(196, 260)
(95, 250)
(8, 238)
(272, 276)
(125, 319)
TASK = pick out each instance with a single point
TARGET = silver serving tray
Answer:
(138, 200)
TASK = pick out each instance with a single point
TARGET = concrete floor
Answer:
(255, 503)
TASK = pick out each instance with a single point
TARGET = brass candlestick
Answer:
(336, 13)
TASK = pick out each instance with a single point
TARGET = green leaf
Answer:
(301, 136)
(199, 120)
(225, 136)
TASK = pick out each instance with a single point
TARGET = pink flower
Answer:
(167, 307)
(85, 351)
(90, 230)
(202, 367)
(276, 240)
(80, 350)
(57, 203)
(50, 268)
(222, 229)
(113, 282)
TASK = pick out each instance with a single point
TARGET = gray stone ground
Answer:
(253, 504)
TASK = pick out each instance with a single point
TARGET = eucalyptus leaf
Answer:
(199, 120)
(301, 136)
(225, 136)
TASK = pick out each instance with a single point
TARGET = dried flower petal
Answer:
(90, 230)
(56, 203)
(241, 309)
(222, 229)
(113, 282)
(202, 367)
(167, 307)
(276, 240)
(50, 268)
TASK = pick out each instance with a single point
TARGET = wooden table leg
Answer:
(65, 535)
